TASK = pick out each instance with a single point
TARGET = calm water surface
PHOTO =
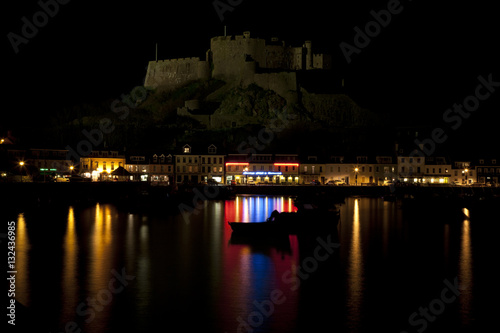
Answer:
(100, 269)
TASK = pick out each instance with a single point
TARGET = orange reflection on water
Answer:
(355, 270)
(100, 253)
(21, 263)
(465, 274)
(70, 258)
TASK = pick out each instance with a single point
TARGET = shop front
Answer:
(263, 177)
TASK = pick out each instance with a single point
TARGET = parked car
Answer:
(212, 182)
(336, 182)
(315, 182)
(251, 182)
(62, 180)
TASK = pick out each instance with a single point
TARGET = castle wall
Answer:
(322, 61)
(236, 60)
(297, 58)
(230, 56)
(276, 57)
(171, 74)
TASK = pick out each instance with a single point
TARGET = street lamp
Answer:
(356, 177)
(466, 171)
(21, 164)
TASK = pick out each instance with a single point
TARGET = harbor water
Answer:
(99, 268)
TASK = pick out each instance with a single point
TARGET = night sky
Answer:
(427, 58)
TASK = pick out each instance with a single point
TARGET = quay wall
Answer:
(19, 196)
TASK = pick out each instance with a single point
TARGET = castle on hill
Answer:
(296, 82)
(242, 60)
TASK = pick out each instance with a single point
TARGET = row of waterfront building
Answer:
(196, 165)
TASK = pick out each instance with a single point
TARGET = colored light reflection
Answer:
(253, 270)
(256, 208)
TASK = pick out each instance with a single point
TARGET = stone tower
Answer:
(309, 55)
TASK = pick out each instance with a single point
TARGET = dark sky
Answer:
(426, 59)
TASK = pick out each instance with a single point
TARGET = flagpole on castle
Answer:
(156, 53)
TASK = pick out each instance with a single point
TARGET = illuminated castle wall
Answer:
(238, 59)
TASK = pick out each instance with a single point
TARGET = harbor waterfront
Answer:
(27, 195)
(104, 267)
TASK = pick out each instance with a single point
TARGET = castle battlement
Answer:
(235, 58)
(178, 60)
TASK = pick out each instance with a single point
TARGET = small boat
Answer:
(307, 221)
(258, 228)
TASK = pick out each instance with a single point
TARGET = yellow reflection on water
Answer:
(21, 265)
(465, 276)
(355, 270)
(99, 270)
(70, 252)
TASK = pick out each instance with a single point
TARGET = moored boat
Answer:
(305, 221)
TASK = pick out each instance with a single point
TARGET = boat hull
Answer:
(289, 223)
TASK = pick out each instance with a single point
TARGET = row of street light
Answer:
(21, 165)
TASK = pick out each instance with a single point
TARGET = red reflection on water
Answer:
(254, 270)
